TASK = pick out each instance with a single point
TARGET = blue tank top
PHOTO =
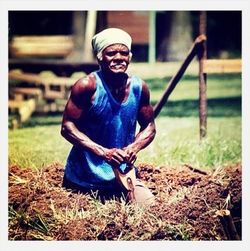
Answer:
(110, 124)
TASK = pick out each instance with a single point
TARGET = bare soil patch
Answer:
(188, 205)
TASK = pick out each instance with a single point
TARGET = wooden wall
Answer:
(136, 23)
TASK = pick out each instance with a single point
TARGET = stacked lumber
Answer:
(53, 87)
(41, 46)
(38, 92)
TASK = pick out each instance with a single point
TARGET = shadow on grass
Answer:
(228, 79)
(49, 119)
(221, 107)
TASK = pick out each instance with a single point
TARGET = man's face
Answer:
(115, 58)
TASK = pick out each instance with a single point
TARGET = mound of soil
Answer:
(190, 196)
(190, 205)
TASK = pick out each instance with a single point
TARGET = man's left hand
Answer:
(132, 155)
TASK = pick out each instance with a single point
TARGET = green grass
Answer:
(218, 86)
(177, 142)
(37, 146)
(39, 142)
(223, 96)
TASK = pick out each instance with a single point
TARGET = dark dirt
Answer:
(188, 201)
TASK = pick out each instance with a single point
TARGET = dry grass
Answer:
(186, 202)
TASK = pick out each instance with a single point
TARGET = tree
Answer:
(175, 35)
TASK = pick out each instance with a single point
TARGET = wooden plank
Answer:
(43, 38)
(40, 51)
(42, 46)
(222, 65)
(38, 79)
(27, 91)
(25, 77)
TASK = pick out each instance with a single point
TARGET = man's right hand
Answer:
(115, 157)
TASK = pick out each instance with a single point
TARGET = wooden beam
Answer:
(41, 46)
(222, 65)
(227, 222)
(27, 91)
(38, 79)
(202, 55)
(175, 79)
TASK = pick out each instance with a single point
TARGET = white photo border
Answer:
(8, 5)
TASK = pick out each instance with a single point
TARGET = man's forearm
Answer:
(144, 137)
(113, 156)
(70, 132)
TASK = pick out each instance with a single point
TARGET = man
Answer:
(100, 121)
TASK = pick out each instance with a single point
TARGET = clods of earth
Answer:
(191, 204)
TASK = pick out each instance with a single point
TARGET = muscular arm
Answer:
(79, 102)
(147, 130)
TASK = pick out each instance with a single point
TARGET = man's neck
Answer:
(118, 85)
(115, 80)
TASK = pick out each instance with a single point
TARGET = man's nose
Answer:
(118, 55)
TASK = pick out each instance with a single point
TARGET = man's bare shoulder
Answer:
(83, 91)
(145, 88)
(85, 84)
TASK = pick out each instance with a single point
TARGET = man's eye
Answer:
(124, 53)
(111, 53)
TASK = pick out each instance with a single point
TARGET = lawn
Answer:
(39, 143)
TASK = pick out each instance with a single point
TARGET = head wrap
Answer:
(108, 37)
